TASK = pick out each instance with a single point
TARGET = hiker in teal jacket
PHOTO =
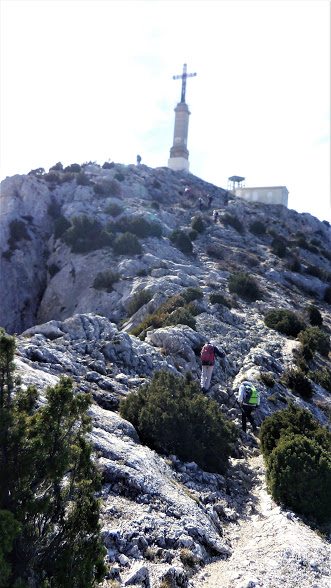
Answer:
(249, 400)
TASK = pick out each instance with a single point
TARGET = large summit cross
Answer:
(183, 77)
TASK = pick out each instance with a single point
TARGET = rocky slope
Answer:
(160, 516)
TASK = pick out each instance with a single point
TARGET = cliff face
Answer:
(153, 508)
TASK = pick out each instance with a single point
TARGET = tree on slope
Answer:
(49, 515)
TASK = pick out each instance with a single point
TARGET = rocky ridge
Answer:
(163, 519)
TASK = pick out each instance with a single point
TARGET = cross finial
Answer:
(183, 77)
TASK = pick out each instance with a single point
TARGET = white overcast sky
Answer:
(92, 80)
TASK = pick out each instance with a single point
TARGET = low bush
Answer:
(119, 177)
(127, 244)
(17, 232)
(197, 224)
(181, 240)
(216, 298)
(155, 205)
(244, 285)
(166, 315)
(278, 247)
(257, 228)
(193, 234)
(73, 168)
(267, 378)
(294, 265)
(322, 378)
(291, 421)
(172, 416)
(284, 321)
(82, 179)
(233, 221)
(114, 209)
(85, 235)
(299, 476)
(314, 315)
(105, 280)
(57, 167)
(138, 300)
(53, 269)
(61, 225)
(296, 380)
(327, 295)
(108, 165)
(52, 177)
(316, 340)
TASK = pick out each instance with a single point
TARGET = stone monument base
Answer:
(178, 163)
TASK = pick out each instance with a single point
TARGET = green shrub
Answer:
(52, 177)
(278, 247)
(192, 293)
(108, 165)
(284, 321)
(84, 235)
(138, 300)
(233, 221)
(257, 228)
(105, 280)
(181, 240)
(17, 232)
(127, 244)
(296, 380)
(67, 177)
(73, 168)
(322, 378)
(98, 189)
(114, 209)
(155, 205)
(57, 167)
(155, 229)
(316, 340)
(172, 416)
(156, 184)
(82, 179)
(216, 298)
(53, 269)
(299, 476)
(193, 235)
(244, 285)
(183, 316)
(119, 177)
(60, 226)
(314, 315)
(327, 295)
(290, 421)
(197, 224)
(306, 353)
(142, 272)
(181, 301)
(295, 265)
(267, 378)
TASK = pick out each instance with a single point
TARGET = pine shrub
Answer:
(296, 380)
(299, 476)
(216, 298)
(181, 240)
(85, 235)
(314, 315)
(138, 300)
(233, 221)
(197, 224)
(316, 340)
(193, 234)
(291, 421)
(267, 378)
(105, 280)
(278, 247)
(172, 416)
(244, 285)
(127, 243)
(322, 378)
(17, 232)
(327, 295)
(284, 321)
(257, 228)
(295, 265)
(61, 225)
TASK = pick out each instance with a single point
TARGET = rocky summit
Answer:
(88, 254)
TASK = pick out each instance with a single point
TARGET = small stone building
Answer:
(267, 195)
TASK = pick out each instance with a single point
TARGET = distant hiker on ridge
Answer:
(215, 216)
(207, 355)
(249, 400)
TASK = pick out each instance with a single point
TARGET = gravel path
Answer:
(271, 547)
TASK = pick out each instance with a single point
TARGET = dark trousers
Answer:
(247, 412)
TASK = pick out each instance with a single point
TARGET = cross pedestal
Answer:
(178, 153)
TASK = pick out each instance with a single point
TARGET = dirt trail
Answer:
(271, 547)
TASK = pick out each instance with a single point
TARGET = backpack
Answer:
(251, 395)
(207, 353)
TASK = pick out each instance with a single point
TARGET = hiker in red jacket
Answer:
(207, 355)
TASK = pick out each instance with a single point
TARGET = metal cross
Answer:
(183, 76)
